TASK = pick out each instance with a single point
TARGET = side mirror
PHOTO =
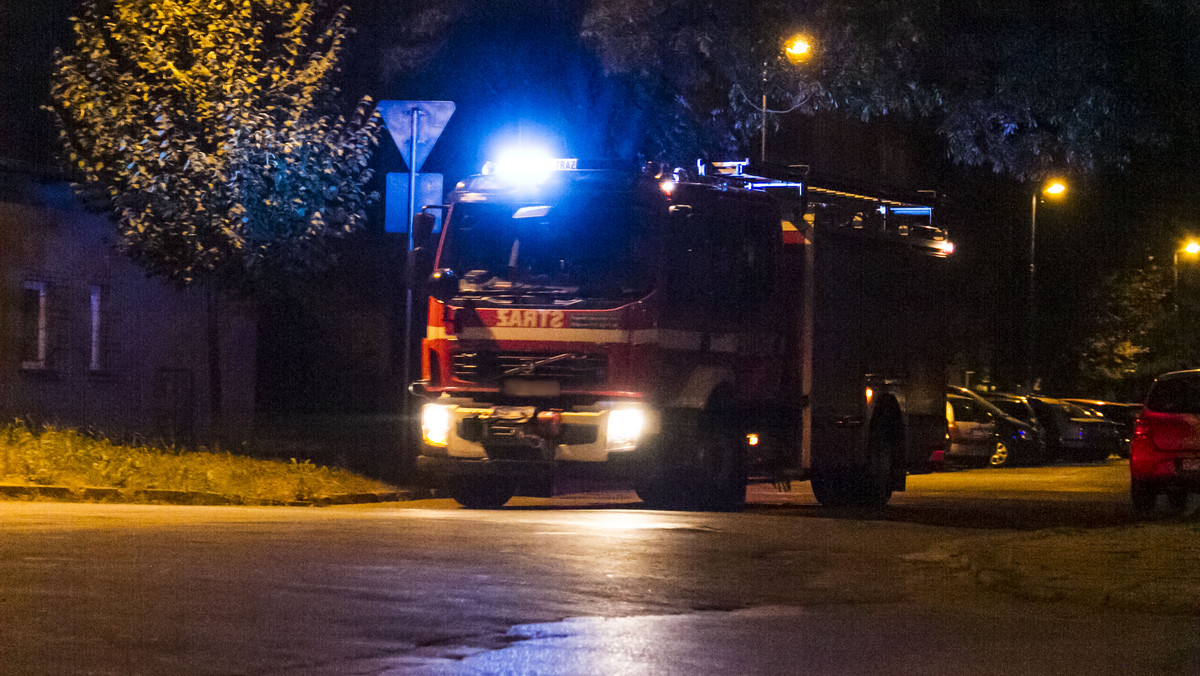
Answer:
(423, 228)
(442, 284)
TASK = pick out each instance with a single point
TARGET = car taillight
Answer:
(1141, 429)
(1170, 432)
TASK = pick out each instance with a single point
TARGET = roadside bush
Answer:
(54, 456)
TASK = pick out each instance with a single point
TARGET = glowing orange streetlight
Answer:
(798, 49)
(1053, 188)
(1191, 248)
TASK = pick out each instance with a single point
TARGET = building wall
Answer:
(142, 367)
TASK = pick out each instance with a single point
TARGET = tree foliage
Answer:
(1018, 87)
(1146, 322)
(1127, 308)
(210, 128)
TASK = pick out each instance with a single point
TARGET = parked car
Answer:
(1125, 415)
(972, 431)
(1017, 441)
(1074, 432)
(1017, 406)
(1165, 455)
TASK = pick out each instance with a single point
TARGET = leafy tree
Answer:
(1127, 307)
(1145, 323)
(1017, 87)
(210, 129)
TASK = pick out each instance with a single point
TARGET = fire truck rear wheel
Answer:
(867, 487)
(481, 492)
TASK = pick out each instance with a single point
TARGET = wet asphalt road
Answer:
(1038, 570)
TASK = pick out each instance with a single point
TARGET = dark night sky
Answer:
(29, 32)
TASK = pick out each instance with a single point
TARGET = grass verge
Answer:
(63, 457)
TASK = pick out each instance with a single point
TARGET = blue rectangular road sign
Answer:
(429, 191)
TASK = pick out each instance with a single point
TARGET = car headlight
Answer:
(435, 424)
(625, 427)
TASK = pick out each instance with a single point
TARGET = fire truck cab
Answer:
(681, 331)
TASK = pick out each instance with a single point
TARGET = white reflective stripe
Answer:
(543, 335)
(724, 343)
(435, 332)
(667, 339)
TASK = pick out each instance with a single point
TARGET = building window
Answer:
(96, 341)
(33, 325)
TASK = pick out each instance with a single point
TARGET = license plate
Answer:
(1190, 464)
(532, 388)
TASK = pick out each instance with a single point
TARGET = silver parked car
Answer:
(972, 431)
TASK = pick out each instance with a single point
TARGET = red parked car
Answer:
(1165, 453)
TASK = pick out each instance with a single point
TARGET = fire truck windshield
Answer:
(590, 246)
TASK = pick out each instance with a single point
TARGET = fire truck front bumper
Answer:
(465, 434)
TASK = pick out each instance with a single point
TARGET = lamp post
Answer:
(1191, 248)
(1053, 189)
(797, 49)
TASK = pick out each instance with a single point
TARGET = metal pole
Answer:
(1032, 295)
(412, 176)
(763, 155)
(408, 292)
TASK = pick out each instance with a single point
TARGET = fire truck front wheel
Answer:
(480, 491)
(697, 463)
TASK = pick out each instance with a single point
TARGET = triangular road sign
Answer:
(431, 120)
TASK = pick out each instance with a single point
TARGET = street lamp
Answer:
(1191, 248)
(1053, 189)
(798, 49)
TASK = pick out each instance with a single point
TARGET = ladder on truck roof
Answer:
(869, 212)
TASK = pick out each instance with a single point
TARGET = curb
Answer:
(155, 496)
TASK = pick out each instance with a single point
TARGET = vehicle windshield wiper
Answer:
(530, 368)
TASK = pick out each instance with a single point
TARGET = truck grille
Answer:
(489, 367)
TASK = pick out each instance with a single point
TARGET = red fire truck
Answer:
(683, 331)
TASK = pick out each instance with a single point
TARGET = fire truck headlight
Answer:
(435, 424)
(625, 427)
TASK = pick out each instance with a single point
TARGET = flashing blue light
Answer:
(912, 211)
(524, 166)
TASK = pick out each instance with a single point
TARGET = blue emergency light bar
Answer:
(524, 165)
(763, 185)
(912, 211)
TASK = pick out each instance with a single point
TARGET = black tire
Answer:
(698, 462)
(1143, 497)
(483, 492)
(1002, 457)
(833, 488)
(659, 491)
(868, 487)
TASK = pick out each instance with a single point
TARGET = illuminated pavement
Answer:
(1016, 571)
